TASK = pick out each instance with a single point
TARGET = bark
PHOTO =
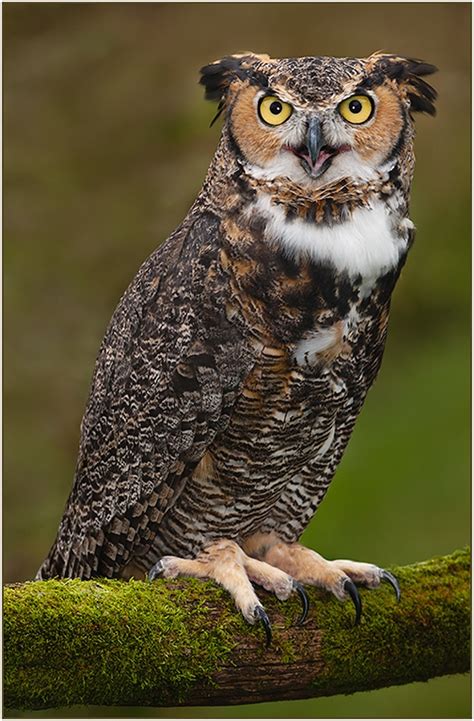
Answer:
(171, 643)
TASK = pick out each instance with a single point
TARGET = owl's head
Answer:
(317, 119)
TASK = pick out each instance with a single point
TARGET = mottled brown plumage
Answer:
(234, 368)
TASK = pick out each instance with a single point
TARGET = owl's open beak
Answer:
(316, 156)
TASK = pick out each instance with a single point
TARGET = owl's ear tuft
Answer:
(217, 77)
(420, 93)
(409, 73)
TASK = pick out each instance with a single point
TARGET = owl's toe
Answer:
(276, 581)
(350, 588)
(299, 588)
(155, 571)
(368, 575)
(392, 580)
(167, 567)
(261, 615)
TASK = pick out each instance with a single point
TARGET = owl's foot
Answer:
(308, 567)
(227, 564)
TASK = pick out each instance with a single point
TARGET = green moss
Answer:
(423, 636)
(287, 651)
(112, 642)
(149, 644)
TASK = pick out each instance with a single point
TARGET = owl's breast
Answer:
(290, 401)
(363, 243)
(282, 420)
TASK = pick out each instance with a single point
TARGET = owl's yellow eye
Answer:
(274, 111)
(357, 109)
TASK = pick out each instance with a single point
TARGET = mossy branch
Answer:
(181, 642)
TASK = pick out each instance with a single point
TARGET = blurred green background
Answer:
(106, 143)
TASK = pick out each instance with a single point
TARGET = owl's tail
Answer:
(52, 566)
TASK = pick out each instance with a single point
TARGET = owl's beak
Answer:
(314, 141)
(315, 156)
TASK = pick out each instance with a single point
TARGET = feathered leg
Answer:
(227, 564)
(308, 567)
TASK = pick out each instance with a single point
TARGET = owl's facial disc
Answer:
(315, 154)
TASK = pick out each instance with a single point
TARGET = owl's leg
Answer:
(308, 567)
(226, 563)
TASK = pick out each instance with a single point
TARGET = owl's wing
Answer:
(168, 374)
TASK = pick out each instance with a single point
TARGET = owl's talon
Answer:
(304, 600)
(156, 571)
(391, 579)
(260, 615)
(351, 589)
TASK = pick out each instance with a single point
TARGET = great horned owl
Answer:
(234, 368)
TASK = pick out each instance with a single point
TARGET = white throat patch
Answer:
(365, 245)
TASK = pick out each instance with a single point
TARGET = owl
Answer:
(238, 359)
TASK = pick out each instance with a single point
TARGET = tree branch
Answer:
(181, 642)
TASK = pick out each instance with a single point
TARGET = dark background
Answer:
(106, 143)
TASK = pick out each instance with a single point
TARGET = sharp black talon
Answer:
(262, 616)
(304, 600)
(155, 571)
(350, 588)
(390, 578)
